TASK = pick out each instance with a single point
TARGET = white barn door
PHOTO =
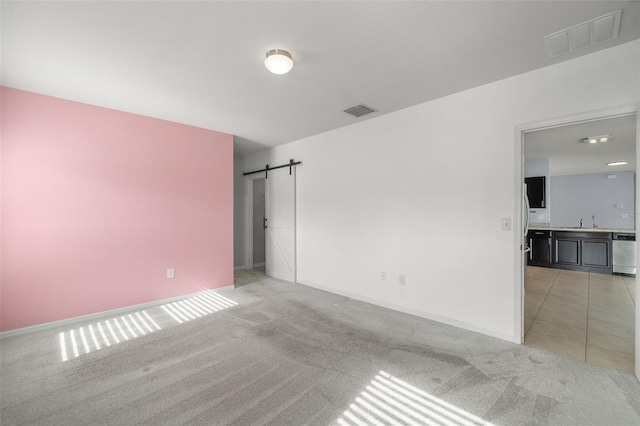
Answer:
(280, 188)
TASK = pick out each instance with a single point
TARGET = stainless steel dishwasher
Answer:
(624, 253)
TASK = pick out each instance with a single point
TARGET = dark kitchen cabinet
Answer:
(596, 253)
(566, 249)
(536, 189)
(582, 251)
(540, 243)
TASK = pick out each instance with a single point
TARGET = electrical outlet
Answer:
(383, 275)
(171, 273)
(402, 279)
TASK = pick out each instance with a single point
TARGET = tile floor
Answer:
(581, 315)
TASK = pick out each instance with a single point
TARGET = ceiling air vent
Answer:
(359, 110)
(590, 33)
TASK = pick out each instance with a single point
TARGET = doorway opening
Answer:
(259, 225)
(576, 300)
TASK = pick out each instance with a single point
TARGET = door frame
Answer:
(519, 240)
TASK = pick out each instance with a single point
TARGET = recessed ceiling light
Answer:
(278, 61)
(617, 163)
(596, 139)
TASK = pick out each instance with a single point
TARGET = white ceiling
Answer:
(569, 156)
(201, 63)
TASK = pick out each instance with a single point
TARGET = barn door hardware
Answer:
(267, 168)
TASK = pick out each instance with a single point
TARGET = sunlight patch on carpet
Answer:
(388, 400)
(83, 340)
(202, 304)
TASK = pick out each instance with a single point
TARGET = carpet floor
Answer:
(270, 352)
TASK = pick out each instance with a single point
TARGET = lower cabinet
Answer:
(578, 251)
(582, 251)
(567, 249)
(596, 253)
(540, 245)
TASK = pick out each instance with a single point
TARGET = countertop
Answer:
(576, 229)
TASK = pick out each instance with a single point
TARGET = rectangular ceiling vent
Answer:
(590, 33)
(359, 110)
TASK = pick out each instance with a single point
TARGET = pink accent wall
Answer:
(97, 204)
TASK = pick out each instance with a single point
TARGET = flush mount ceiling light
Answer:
(597, 139)
(278, 61)
(617, 163)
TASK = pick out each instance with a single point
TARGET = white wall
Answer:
(422, 192)
(238, 212)
(540, 167)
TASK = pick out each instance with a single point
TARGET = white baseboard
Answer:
(415, 312)
(96, 315)
(236, 268)
(259, 264)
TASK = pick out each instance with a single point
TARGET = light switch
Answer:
(506, 224)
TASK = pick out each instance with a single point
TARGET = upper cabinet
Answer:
(536, 191)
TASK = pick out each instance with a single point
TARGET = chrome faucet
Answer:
(593, 218)
(580, 223)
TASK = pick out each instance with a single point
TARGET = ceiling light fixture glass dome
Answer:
(278, 61)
